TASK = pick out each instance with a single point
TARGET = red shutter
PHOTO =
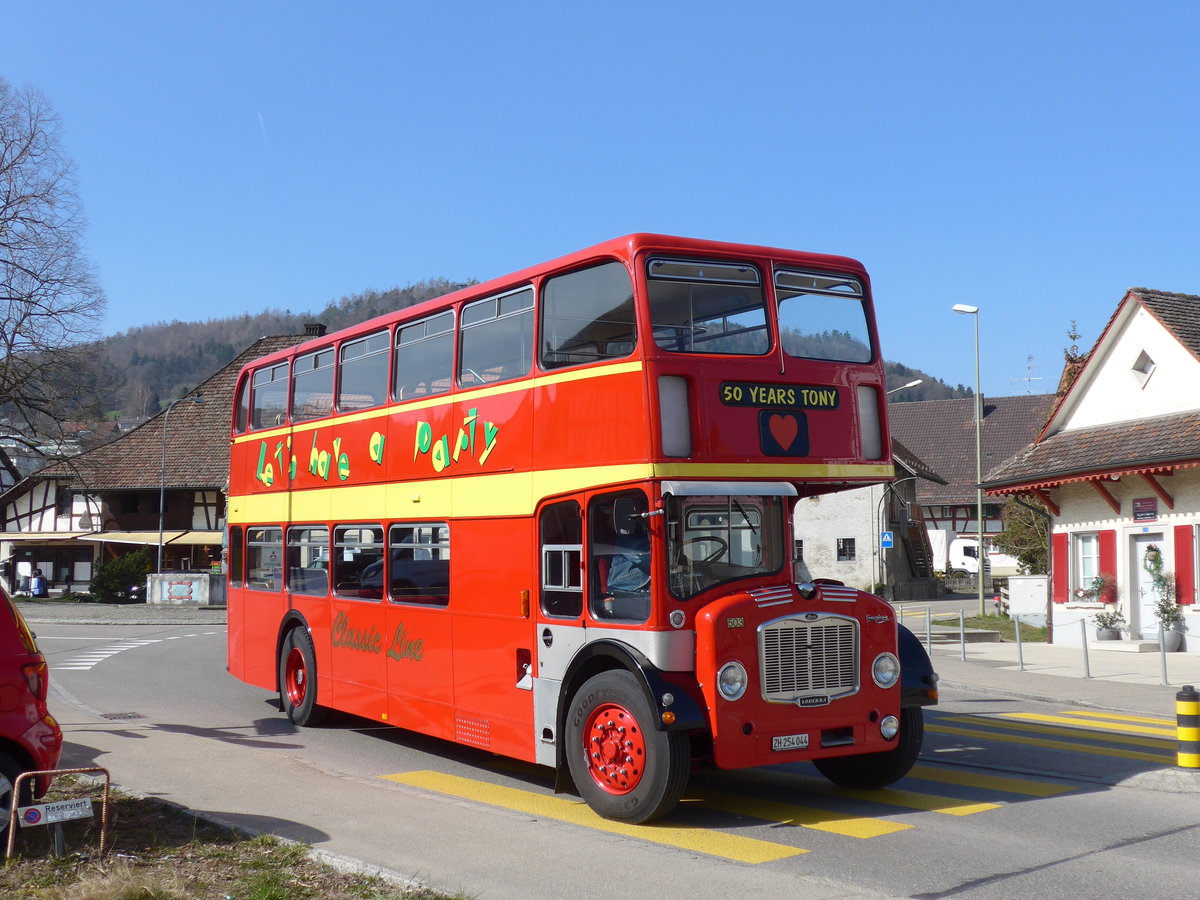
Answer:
(1185, 565)
(1108, 553)
(1060, 562)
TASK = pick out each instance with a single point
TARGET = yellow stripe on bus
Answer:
(698, 840)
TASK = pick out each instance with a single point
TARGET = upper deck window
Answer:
(823, 316)
(424, 357)
(587, 316)
(363, 379)
(707, 307)
(497, 338)
(312, 388)
(268, 405)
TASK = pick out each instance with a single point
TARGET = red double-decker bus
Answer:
(550, 516)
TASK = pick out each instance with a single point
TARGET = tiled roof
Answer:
(197, 439)
(1180, 313)
(914, 463)
(1162, 442)
(942, 433)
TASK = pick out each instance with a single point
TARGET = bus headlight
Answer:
(889, 728)
(885, 670)
(732, 680)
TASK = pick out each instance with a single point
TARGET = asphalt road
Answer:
(1012, 797)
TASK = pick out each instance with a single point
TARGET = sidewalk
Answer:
(52, 613)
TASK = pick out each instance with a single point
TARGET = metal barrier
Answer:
(58, 841)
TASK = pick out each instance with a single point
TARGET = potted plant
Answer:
(1166, 610)
(1109, 625)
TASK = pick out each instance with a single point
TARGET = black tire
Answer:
(648, 783)
(298, 679)
(876, 770)
(9, 770)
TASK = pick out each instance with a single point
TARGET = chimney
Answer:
(314, 329)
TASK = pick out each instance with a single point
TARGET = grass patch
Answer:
(157, 851)
(1006, 627)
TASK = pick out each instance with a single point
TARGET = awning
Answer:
(43, 537)
(151, 537)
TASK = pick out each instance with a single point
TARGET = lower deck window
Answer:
(419, 563)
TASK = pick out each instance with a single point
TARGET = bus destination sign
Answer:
(778, 396)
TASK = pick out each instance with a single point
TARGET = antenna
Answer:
(1029, 376)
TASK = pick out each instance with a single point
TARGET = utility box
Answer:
(186, 589)
(1027, 598)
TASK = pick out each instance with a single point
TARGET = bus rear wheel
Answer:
(297, 679)
(623, 767)
(876, 770)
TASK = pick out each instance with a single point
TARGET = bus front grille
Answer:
(801, 658)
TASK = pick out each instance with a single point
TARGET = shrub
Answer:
(122, 580)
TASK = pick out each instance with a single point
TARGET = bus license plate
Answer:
(789, 742)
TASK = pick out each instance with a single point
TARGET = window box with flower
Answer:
(1101, 589)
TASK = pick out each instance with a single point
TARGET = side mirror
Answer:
(626, 512)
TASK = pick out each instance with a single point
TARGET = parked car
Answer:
(30, 739)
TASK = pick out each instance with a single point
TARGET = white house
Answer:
(1116, 466)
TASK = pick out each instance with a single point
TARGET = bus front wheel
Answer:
(623, 767)
(876, 770)
(297, 679)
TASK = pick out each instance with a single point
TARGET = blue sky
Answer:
(1032, 158)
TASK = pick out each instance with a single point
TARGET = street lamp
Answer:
(906, 386)
(981, 556)
(162, 473)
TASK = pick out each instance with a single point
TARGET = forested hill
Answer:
(152, 364)
(155, 363)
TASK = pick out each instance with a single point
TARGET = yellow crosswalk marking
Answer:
(1120, 717)
(1103, 728)
(1002, 783)
(1110, 737)
(804, 816)
(700, 840)
(1073, 747)
(947, 806)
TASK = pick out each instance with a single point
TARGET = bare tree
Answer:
(50, 301)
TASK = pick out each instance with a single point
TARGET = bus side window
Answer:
(587, 316)
(419, 563)
(424, 358)
(236, 556)
(561, 528)
(496, 339)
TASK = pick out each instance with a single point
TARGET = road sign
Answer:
(885, 540)
(49, 813)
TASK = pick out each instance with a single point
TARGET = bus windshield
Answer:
(707, 307)
(718, 538)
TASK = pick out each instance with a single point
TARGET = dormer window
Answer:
(1143, 367)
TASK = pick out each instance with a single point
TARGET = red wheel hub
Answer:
(295, 677)
(615, 749)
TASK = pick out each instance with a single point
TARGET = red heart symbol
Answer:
(784, 430)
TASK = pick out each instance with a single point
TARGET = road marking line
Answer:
(700, 840)
(1052, 745)
(803, 816)
(1096, 727)
(1079, 730)
(990, 782)
(1097, 714)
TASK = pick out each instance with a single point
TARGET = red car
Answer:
(30, 738)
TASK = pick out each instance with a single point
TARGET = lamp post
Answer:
(162, 474)
(906, 386)
(981, 555)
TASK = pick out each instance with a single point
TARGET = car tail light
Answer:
(37, 677)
